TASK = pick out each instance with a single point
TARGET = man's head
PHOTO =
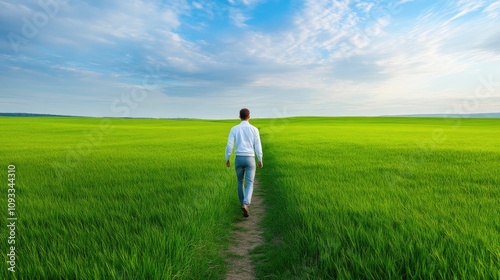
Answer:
(244, 114)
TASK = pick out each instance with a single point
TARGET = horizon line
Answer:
(431, 115)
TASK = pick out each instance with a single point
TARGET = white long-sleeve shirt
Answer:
(247, 139)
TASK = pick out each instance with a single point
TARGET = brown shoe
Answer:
(244, 208)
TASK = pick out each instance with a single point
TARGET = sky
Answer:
(208, 59)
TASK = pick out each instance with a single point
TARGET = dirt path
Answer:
(247, 236)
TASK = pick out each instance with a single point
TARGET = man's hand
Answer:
(228, 164)
(261, 164)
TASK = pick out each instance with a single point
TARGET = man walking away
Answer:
(247, 140)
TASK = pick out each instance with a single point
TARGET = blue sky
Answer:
(208, 59)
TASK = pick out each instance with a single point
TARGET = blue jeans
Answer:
(245, 169)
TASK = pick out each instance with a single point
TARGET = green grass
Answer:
(382, 198)
(347, 198)
(121, 199)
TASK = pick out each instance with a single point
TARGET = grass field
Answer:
(347, 198)
(382, 198)
(119, 199)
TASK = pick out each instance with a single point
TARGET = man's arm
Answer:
(229, 147)
(258, 147)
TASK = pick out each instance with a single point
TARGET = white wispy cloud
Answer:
(238, 17)
(465, 7)
(493, 10)
(310, 39)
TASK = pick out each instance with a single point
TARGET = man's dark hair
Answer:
(244, 113)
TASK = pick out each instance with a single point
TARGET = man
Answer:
(247, 140)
